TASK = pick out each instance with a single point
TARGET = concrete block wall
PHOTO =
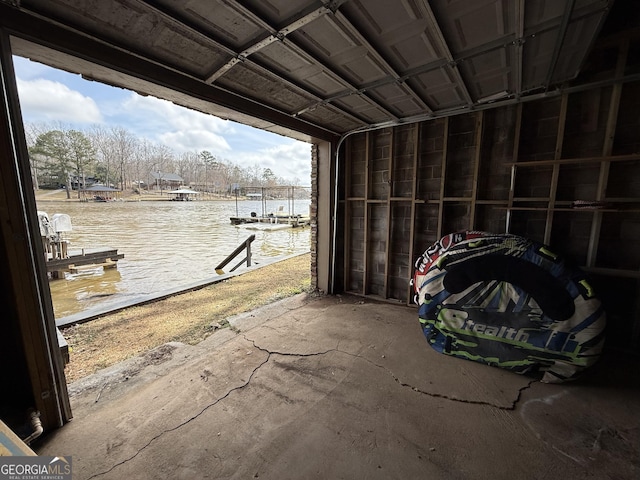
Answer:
(397, 202)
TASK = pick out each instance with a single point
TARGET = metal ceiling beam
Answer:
(519, 47)
(56, 37)
(444, 47)
(566, 17)
(374, 53)
(273, 34)
(404, 77)
(229, 54)
(351, 89)
(516, 39)
(282, 35)
(249, 49)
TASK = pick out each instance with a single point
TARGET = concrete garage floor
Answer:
(341, 388)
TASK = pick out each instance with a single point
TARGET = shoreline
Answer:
(131, 196)
(187, 317)
(61, 196)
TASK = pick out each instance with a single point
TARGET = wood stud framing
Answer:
(389, 210)
(365, 249)
(514, 167)
(414, 189)
(607, 149)
(442, 205)
(445, 143)
(553, 188)
(476, 168)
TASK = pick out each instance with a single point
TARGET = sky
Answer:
(52, 96)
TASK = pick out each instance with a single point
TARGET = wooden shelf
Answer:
(622, 200)
(532, 199)
(462, 185)
(569, 161)
(492, 202)
(564, 209)
(457, 199)
(612, 272)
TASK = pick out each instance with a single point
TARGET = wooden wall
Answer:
(513, 169)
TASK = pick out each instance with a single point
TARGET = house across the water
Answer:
(164, 181)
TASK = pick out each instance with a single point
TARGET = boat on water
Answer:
(59, 258)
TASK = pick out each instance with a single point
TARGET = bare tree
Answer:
(142, 163)
(209, 162)
(102, 143)
(162, 162)
(120, 157)
(124, 145)
(187, 165)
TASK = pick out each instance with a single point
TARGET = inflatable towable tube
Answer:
(509, 302)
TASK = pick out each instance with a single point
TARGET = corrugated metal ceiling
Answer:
(329, 66)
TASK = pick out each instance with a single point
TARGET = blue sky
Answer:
(50, 96)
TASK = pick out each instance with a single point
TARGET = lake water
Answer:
(165, 245)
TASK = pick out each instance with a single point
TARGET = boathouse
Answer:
(99, 193)
(423, 118)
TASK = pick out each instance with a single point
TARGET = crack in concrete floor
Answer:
(511, 407)
(185, 422)
(271, 353)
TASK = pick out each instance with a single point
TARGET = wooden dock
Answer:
(293, 220)
(86, 261)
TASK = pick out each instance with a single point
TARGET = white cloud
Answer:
(180, 128)
(183, 130)
(290, 160)
(45, 100)
(189, 140)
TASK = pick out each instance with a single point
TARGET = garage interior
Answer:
(425, 118)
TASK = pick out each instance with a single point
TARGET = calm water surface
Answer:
(165, 245)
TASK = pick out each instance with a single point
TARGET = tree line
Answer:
(63, 157)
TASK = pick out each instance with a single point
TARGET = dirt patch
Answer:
(188, 318)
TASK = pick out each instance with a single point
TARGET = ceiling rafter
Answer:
(237, 57)
(335, 64)
(451, 62)
(511, 39)
(396, 77)
(351, 89)
(273, 34)
(519, 47)
(566, 17)
(282, 35)
(407, 75)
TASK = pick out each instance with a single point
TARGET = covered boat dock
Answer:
(99, 193)
(183, 195)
